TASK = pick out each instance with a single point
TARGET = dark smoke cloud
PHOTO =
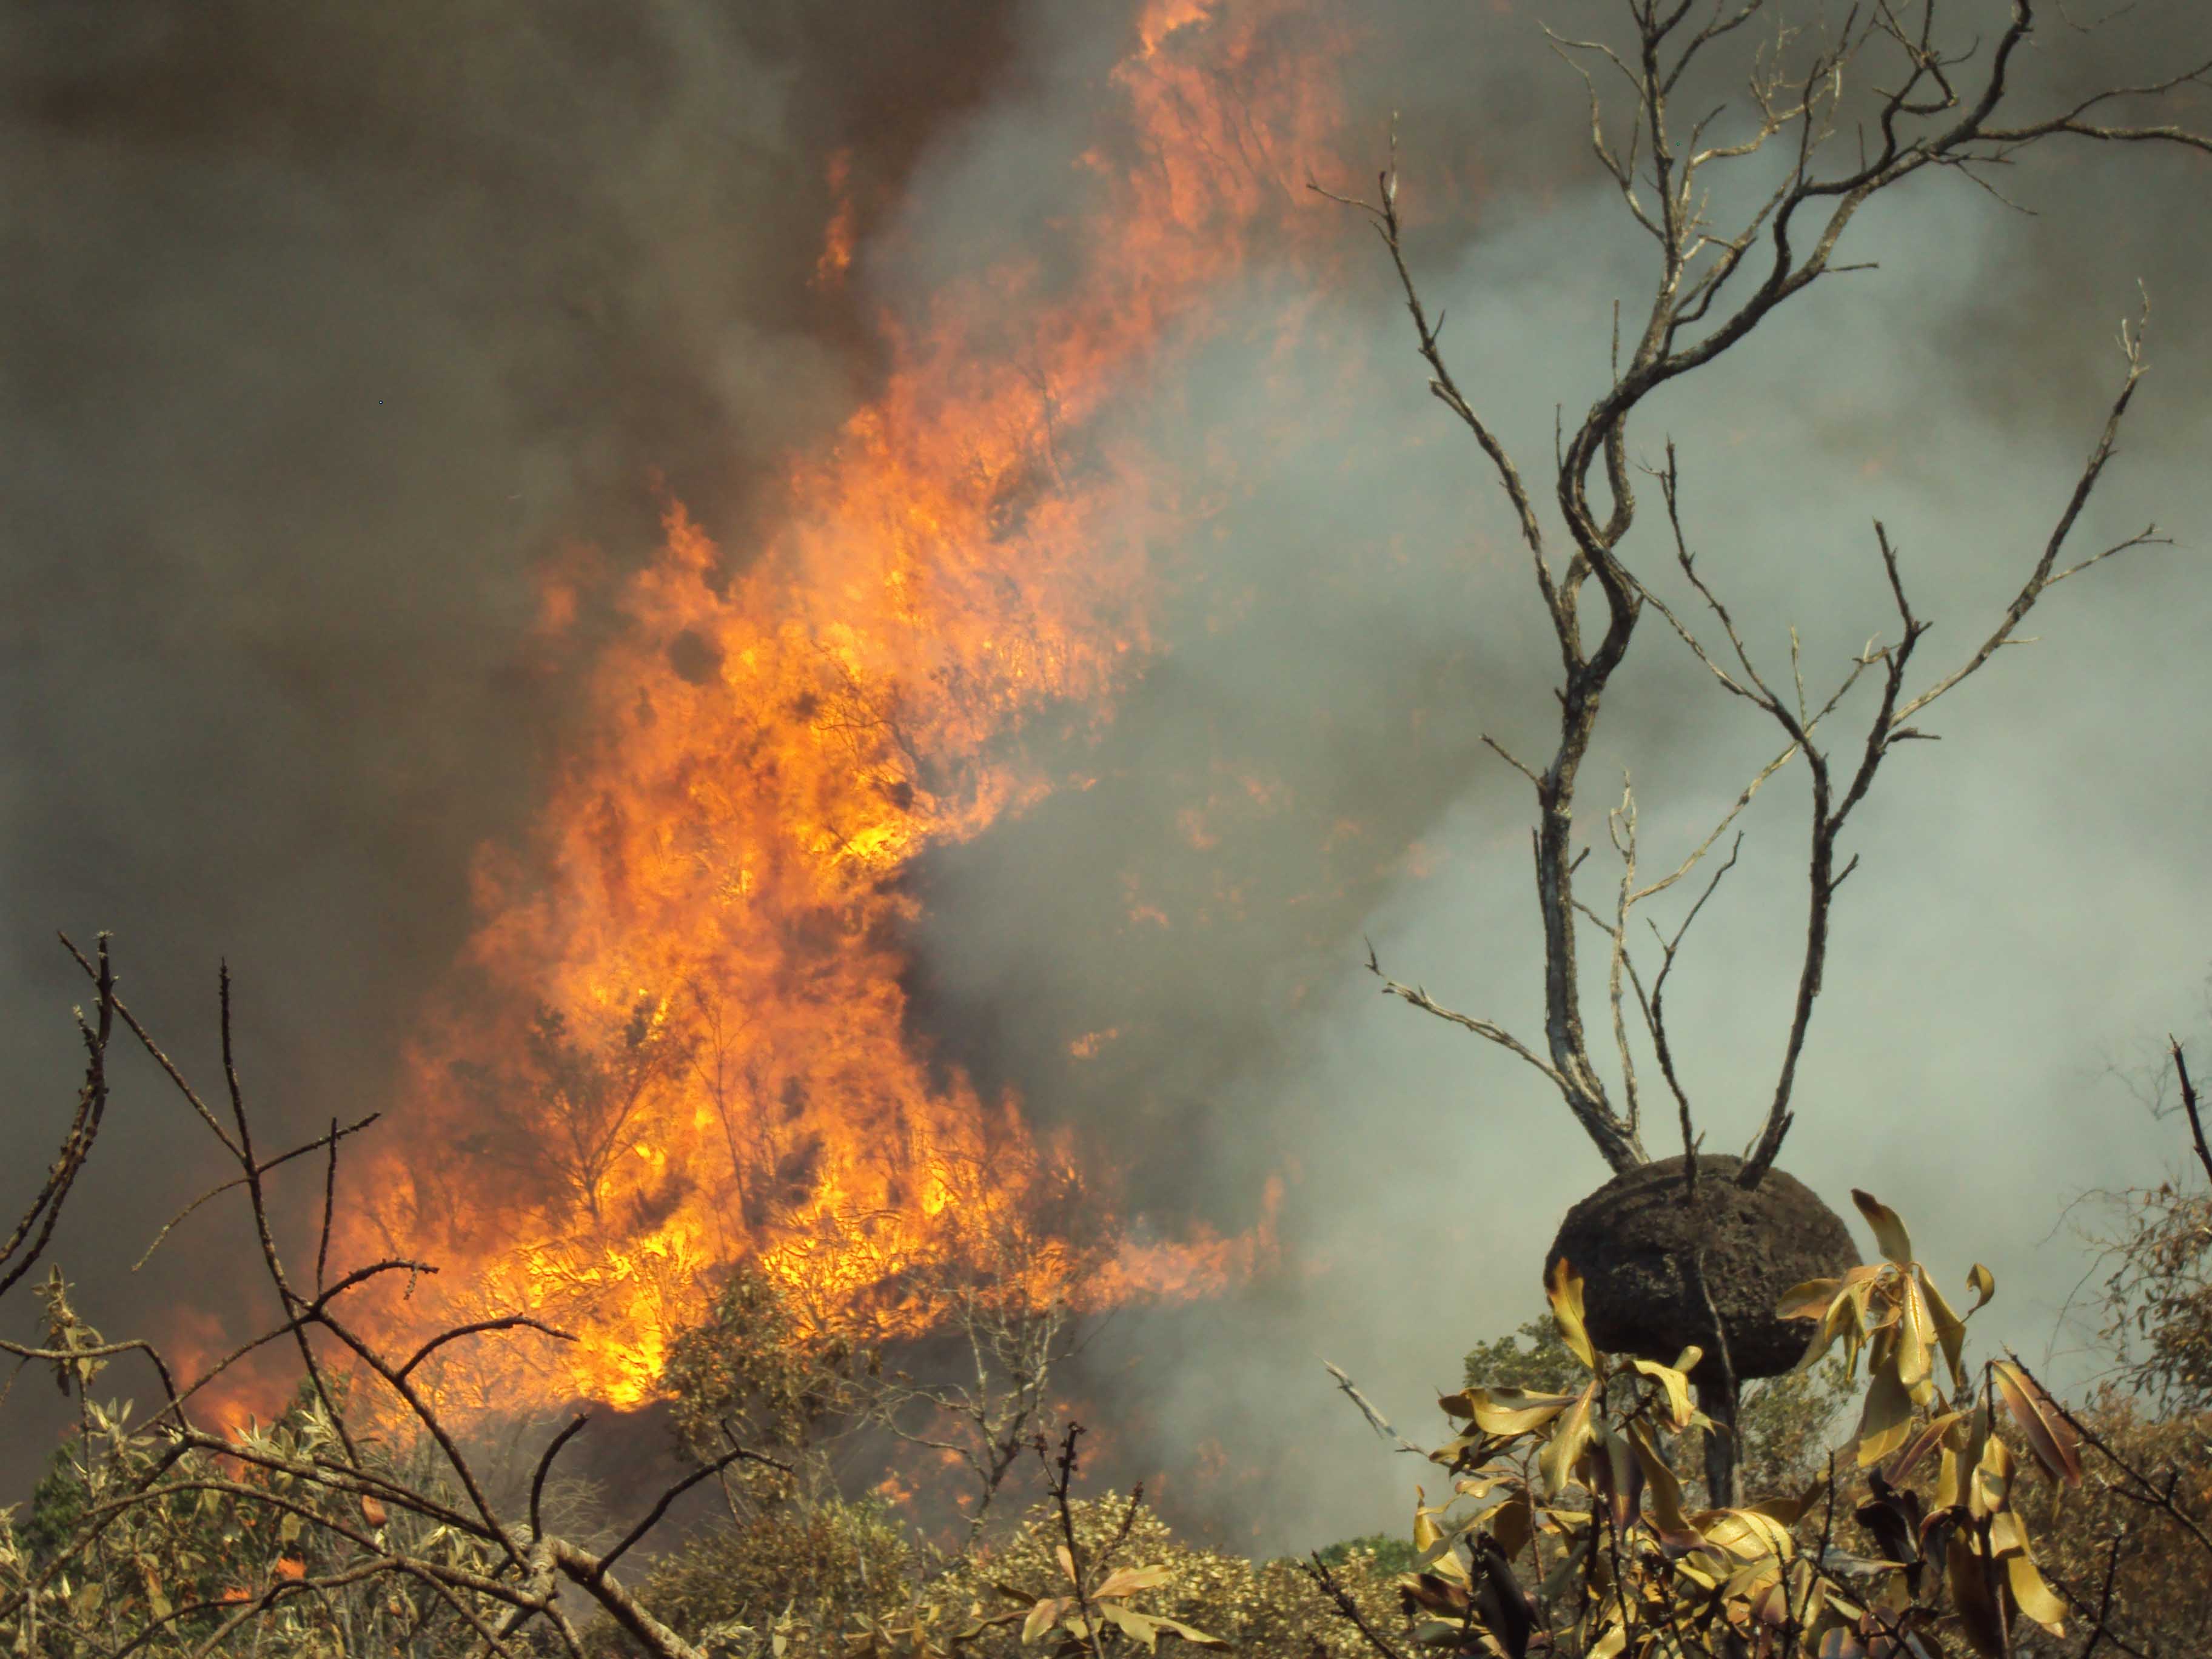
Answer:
(324, 326)
(320, 327)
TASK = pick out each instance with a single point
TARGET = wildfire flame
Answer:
(676, 1038)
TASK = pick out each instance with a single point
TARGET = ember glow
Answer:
(678, 1038)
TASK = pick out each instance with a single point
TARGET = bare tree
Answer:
(1835, 112)
(997, 1399)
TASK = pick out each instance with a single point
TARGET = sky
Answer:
(327, 331)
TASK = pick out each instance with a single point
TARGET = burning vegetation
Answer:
(671, 1139)
(678, 1038)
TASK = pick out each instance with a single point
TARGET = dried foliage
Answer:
(1968, 1511)
(1785, 1423)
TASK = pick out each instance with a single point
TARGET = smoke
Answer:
(1174, 956)
(327, 328)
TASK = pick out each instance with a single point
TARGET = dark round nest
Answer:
(1637, 1244)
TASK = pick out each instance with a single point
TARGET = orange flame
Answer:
(676, 1038)
(836, 256)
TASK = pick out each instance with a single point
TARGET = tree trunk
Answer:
(1718, 1401)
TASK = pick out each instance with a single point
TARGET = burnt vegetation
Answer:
(1729, 1436)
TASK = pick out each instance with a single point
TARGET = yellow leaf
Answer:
(1040, 1620)
(1950, 1329)
(1672, 1525)
(1886, 1420)
(1983, 1283)
(1991, 1489)
(1920, 1445)
(1513, 1522)
(1888, 1232)
(2034, 1595)
(1809, 1300)
(1624, 1480)
(1677, 1385)
(1425, 1527)
(1128, 1581)
(1915, 1336)
(1195, 1638)
(1134, 1626)
(1513, 1411)
(1565, 1287)
(1569, 1437)
(1745, 1533)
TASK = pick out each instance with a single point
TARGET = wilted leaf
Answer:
(1425, 1530)
(1809, 1300)
(1788, 1510)
(1930, 1435)
(1195, 1638)
(1135, 1626)
(2008, 1540)
(2034, 1596)
(1439, 1558)
(1915, 1336)
(1889, 1232)
(1745, 1533)
(1128, 1581)
(2049, 1435)
(1991, 1487)
(1512, 1523)
(1950, 1329)
(1979, 1616)
(371, 1511)
(1886, 1420)
(1427, 1590)
(1983, 1283)
(1513, 1411)
(1066, 1562)
(1041, 1618)
(1845, 1313)
(1672, 1527)
(1564, 1285)
(1568, 1439)
(1677, 1385)
(1624, 1480)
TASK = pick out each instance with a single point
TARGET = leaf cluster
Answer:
(1568, 1524)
